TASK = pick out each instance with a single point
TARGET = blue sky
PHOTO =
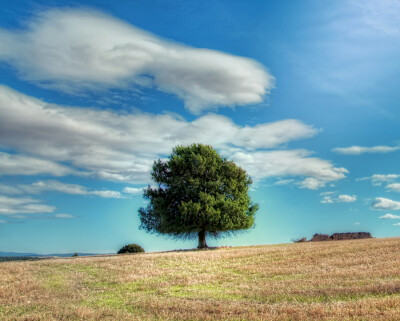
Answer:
(303, 95)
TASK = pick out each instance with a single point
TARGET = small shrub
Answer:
(300, 240)
(131, 248)
(75, 254)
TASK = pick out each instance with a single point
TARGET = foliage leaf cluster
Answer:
(197, 191)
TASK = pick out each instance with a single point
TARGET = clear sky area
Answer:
(304, 95)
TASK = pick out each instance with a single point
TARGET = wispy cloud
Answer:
(346, 198)
(57, 186)
(21, 208)
(381, 203)
(327, 200)
(390, 217)
(283, 182)
(327, 193)
(133, 190)
(10, 190)
(75, 49)
(272, 134)
(62, 216)
(358, 150)
(122, 147)
(279, 163)
(75, 189)
(23, 205)
(383, 15)
(343, 198)
(378, 179)
(395, 187)
(12, 164)
(313, 183)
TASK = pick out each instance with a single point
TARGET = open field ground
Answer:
(342, 280)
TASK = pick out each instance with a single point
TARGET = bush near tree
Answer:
(131, 248)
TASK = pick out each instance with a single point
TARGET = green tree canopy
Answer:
(198, 192)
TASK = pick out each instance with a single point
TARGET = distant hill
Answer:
(15, 254)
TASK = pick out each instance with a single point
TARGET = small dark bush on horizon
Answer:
(299, 240)
(131, 248)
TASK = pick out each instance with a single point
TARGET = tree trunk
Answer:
(202, 240)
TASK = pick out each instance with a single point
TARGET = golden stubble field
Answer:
(342, 280)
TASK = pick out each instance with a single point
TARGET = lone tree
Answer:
(198, 192)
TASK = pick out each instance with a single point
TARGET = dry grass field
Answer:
(342, 280)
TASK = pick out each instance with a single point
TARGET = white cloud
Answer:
(283, 182)
(346, 198)
(133, 190)
(394, 187)
(122, 147)
(53, 185)
(3, 222)
(357, 150)
(75, 49)
(390, 217)
(107, 194)
(63, 216)
(357, 223)
(312, 183)
(25, 205)
(381, 203)
(281, 163)
(272, 134)
(75, 189)
(343, 198)
(327, 200)
(11, 164)
(20, 207)
(378, 179)
(9, 190)
(396, 224)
